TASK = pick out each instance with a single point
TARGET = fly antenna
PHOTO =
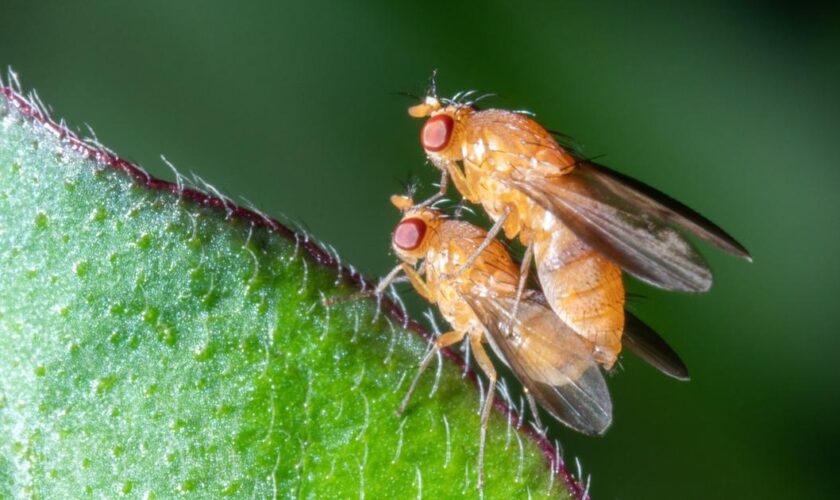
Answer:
(409, 184)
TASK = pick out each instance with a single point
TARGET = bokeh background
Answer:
(729, 106)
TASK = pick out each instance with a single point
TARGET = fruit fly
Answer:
(555, 364)
(581, 222)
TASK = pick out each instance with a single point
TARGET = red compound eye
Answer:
(436, 132)
(409, 234)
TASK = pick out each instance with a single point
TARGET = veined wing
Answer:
(549, 359)
(631, 224)
(670, 209)
(644, 342)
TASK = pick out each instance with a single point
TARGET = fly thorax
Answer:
(476, 153)
(438, 261)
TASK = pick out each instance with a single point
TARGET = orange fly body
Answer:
(581, 222)
(553, 362)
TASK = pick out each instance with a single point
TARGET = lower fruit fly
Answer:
(557, 367)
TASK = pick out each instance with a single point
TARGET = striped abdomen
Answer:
(582, 287)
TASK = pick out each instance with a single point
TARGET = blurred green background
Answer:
(731, 107)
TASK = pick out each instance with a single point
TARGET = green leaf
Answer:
(156, 341)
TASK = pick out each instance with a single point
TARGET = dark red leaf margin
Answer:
(315, 251)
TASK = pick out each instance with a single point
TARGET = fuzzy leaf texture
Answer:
(155, 341)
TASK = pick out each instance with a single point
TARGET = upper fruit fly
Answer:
(555, 365)
(581, 222)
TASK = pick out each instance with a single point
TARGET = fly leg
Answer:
(524, 269)
(459, 178)
(450, 169)
(444, 340)
(389, 279)
(487, 367)
(417, 281)
(444, 185)
(488, 240)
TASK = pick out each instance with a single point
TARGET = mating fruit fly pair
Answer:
(581, 223)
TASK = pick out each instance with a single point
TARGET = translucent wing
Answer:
(631, 224)
(671, 210)
(550, 360)
(644, 342)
